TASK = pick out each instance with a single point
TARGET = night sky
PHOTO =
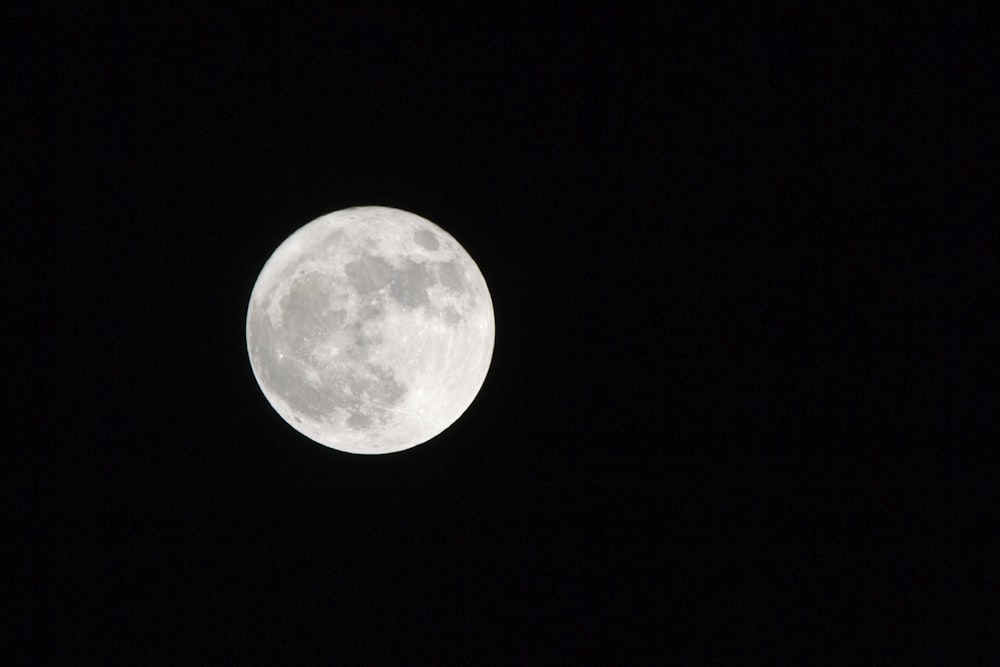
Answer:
(743, 271)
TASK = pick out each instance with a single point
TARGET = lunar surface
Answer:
(370, 330)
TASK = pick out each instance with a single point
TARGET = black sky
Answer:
(743, 269)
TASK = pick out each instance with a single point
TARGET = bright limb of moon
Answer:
(370, 330)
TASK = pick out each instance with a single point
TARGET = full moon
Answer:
(370, 330)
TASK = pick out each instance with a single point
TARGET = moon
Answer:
(370, 330)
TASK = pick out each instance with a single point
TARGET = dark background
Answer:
(742, 400)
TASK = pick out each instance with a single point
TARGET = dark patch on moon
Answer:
(309, 294)
(367, 312)
(386, 388)
(307, 312)
(332, 240)
(352, 387)
(368, 273)
(451, 275)
(359, 421)
(281, 370)
(426, 239)
(410, 283)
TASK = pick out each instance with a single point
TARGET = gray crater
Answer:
(452, 275)
(368, 273)
(409, 284)
(426, 239)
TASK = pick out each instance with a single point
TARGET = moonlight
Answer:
(370, 330)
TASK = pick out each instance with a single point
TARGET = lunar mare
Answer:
(370, 330)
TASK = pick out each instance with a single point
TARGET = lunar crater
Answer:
(426, 239)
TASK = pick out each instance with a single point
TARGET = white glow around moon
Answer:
(370, 330)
